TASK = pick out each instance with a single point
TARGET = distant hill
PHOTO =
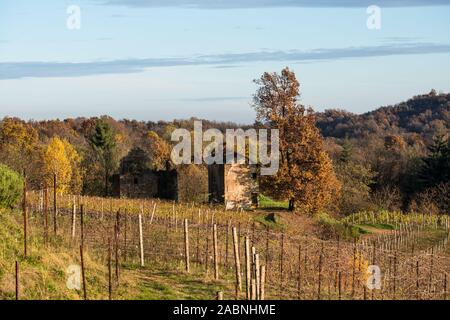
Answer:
(425, 115)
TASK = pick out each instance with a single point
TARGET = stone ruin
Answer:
(234, 185)
(137, 180)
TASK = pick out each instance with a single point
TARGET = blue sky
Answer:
(166, 59)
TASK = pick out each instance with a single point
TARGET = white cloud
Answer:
(17, 70)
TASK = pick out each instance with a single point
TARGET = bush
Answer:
(192, 184)
(11, 185)
(434, 200)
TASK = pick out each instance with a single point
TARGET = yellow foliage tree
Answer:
(75, 163)
(159, 151)
(360, 264)
(19, 147)
(62, 159)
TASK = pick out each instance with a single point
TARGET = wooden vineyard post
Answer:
(319, 287)
(109, 269)
(176, 220)
(186, 245)
(141, 241)
(153, 213)
(299, 280)
(329, 288)
(216, 253)
(74, 218)
(197, 249)
(82, 225)
(25, 218)
(207, 252)
(227, 244)
(83, 275)
(125, 226)
(338, 245)
(354, 268)
(430, 279)
(55, 204)
(373, 263)
(116, 245)
(417, 280)
(365, 292)
(237, 262)
(445, 287)
(102, 210)
(267, 255)
(253, 289)
(262, 290)
(219, 295)
(395, 274)
(253, 233)
(281, 262)
(46, 216)
(257, 277)
(17, 280)
(247, 267)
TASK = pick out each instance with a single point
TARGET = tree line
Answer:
(394, 158)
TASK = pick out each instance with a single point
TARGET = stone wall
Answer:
(136, 180)
(216, 183)
(234, 185)
(143, 185)
(241, 187)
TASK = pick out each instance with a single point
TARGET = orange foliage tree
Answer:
(305, 177)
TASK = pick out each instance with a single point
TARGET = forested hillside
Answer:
(425, 115)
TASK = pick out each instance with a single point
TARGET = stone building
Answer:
(235, 185)
(136, 180)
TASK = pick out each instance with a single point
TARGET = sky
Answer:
(172, 59)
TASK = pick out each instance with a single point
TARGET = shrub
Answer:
(11, 185)
(192, 184)
(434, 200)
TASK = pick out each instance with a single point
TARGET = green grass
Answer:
(368, 228)
(43, 272)
(361, 230)
(265, 202)
(160, 283)
(176, 286)
(382, 226)
(271, 220)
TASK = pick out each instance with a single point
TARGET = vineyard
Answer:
(224, 159)
(122, 244)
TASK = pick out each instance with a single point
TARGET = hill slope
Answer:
(425, 115)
